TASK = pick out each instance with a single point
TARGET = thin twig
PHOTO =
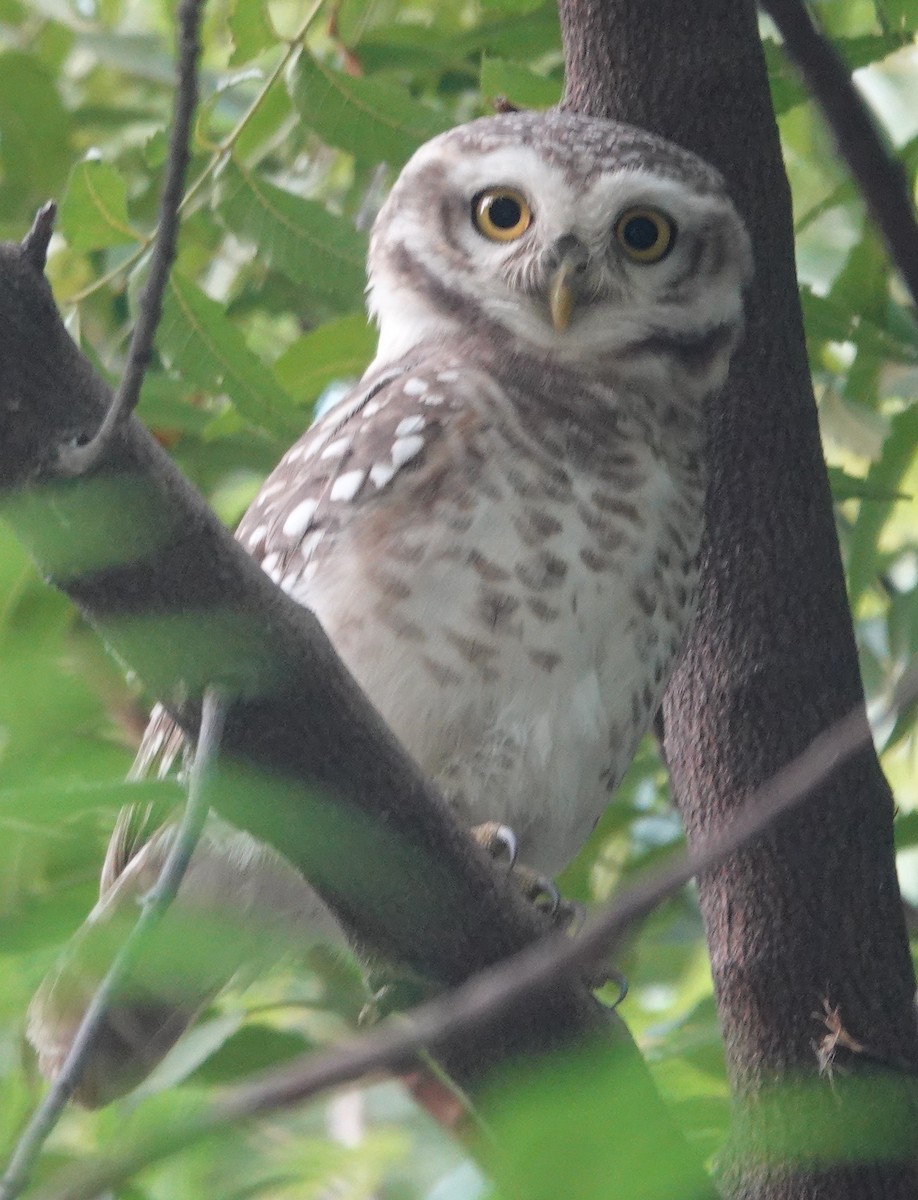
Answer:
(878, 173)
(154, 905)
(435, 1024)
(75, 460)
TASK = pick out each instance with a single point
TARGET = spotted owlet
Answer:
(499, 526)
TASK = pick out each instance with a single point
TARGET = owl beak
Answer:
(561, 297)
(571, 257)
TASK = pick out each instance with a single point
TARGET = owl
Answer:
(499, 526)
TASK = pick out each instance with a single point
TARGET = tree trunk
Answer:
(807, 920)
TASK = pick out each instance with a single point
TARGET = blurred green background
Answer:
(263, 313)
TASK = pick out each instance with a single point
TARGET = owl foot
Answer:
(568, 915)
(543, 893)
(502, 845)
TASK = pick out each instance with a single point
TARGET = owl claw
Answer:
(545, 896)
(575, 914)
(601, 974)
(499, 841)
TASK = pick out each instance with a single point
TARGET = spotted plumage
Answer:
(499, 526)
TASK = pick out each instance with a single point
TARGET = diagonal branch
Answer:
(878, 173)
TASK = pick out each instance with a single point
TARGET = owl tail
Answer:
(240, 908)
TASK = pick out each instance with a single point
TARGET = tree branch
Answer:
(879, 175)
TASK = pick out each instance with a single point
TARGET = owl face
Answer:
(579, 236)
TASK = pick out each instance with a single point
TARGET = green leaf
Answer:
(852, 487)
(521, 86)
(336, 350)
(898, 14)
(518, 37)
(510, 8)
(887, 474)
(828, 321)
(251, 30)
(906, 830)
(196, 337)
(321, 252)
(573, 1100)
(373, 120)
(787, 90)
(34, 130)
(251, 1048)
(262, 128)
(94, 212)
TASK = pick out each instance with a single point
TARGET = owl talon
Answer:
(500, 842)
(546, 897)
(600, 975)
(573, 913)
(614, 976)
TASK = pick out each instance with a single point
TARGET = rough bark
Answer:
(810, 914)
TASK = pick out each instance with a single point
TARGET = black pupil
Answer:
(641, 233)
(505, 212)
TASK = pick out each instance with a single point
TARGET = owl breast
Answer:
(510, 596)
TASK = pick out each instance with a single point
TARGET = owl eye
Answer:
(501, 214)
(646, 234)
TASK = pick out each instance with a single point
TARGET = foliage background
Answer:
(295, 145)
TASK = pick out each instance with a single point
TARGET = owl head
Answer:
(579, 236)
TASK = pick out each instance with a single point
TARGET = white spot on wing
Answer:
(347, 486)
(406, 448)
(433, 398)
(409, 425)
(336, 448)
(257, 534)
(299, 518)
(447, 376)
(414, 387)
(269, 490)
(381, 473)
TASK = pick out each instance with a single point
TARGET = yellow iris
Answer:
(645, 234)
(501, 214)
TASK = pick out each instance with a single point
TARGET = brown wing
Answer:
(351, 455)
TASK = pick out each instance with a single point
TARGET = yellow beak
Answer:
(560, 297)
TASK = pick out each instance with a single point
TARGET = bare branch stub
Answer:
(36, 241)
(78, 459)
